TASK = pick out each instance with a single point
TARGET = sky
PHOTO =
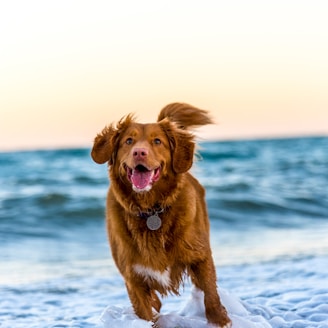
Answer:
(68, 68)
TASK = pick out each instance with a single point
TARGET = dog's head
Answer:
(144, 154)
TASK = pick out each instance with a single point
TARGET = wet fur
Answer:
(145, 258)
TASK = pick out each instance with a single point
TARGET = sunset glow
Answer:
(68, 68)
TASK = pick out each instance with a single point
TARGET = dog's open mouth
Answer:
(142, 178)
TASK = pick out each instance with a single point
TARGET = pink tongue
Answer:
(141, 179)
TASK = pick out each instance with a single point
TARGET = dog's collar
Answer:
(150, 212)
(153, 221)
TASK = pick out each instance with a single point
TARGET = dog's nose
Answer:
(140, 153)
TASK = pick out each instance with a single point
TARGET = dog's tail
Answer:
(185, 115)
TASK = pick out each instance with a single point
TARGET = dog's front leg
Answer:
(204, 277)
(142, 300)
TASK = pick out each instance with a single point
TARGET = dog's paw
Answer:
(155, 325)
(225, 323)
(228, 325)
(156, 316)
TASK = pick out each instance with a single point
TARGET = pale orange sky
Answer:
(68, 68)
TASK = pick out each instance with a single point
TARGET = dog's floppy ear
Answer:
(106, 143)
(104, 146)
(182, 146)
(183, 152)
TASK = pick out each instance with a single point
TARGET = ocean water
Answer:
(268, 205)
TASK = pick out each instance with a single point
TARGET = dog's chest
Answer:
(161, 277)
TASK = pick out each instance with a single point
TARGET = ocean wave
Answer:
(52, 199)
(256, 181)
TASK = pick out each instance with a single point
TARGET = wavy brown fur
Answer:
(185, 116)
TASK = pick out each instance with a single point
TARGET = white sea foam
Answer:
(284, 294)
(191, 315)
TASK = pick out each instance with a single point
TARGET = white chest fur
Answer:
(162, 278)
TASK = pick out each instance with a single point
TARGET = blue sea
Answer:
(268, 206)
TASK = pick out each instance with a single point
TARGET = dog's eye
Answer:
(129, 141)
(157, 141)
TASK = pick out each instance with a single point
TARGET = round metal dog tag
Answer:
(154, 222)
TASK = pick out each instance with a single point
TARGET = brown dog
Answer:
(157, 219)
